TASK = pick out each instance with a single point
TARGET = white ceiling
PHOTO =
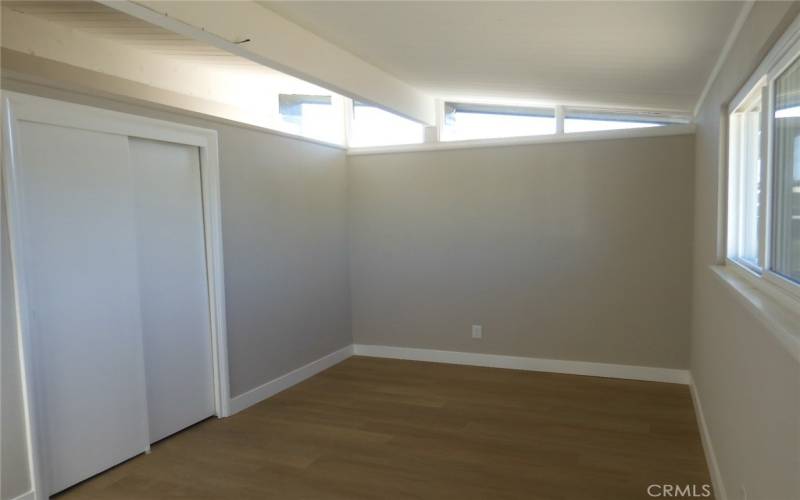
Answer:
(644, 54)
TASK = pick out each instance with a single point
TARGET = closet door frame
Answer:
(18, 108)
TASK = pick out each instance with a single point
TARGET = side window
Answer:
(745, 183)
(587, 120)
(373, 126)
(480, 121)
(786, 173)
(313, 116)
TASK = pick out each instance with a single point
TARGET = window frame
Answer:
(657, 119)
(508, 110)
(785, 52)
(757, 92)
(299, 128)
(560, 115)
(669, 124)
(350, 127)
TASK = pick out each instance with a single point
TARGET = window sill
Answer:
(776, 309)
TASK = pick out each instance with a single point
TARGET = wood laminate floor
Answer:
(382, 429)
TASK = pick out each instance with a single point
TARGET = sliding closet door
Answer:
(174, 288)
(80, 249)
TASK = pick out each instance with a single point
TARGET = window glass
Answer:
(477, 121)
(313, 116)
(786, 230)
(372, 126)
(745, 183)
(577, 120)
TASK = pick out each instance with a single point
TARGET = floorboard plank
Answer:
(380, 429)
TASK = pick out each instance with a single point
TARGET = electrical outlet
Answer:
(477, 332)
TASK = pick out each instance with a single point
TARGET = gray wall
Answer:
(574, 251)
(284, 225)
(748, 384)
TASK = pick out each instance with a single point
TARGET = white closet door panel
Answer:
(174, 288)
(78, 210)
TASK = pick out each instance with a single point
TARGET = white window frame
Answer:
(616, 115)
(349, 121)
(337, 103)
(784, 53)
(734, 208)
(671, 124)
(561, 113)
(550, 112)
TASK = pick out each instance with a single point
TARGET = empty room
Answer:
(369, 250)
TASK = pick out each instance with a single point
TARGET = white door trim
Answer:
(21, 107)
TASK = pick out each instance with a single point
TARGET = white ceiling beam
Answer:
(31, 35)
(35, 48)
(284, 46)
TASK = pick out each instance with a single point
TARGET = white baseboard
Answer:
(283, 382)
(647, 373)
(708, 448)
(26, 496)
